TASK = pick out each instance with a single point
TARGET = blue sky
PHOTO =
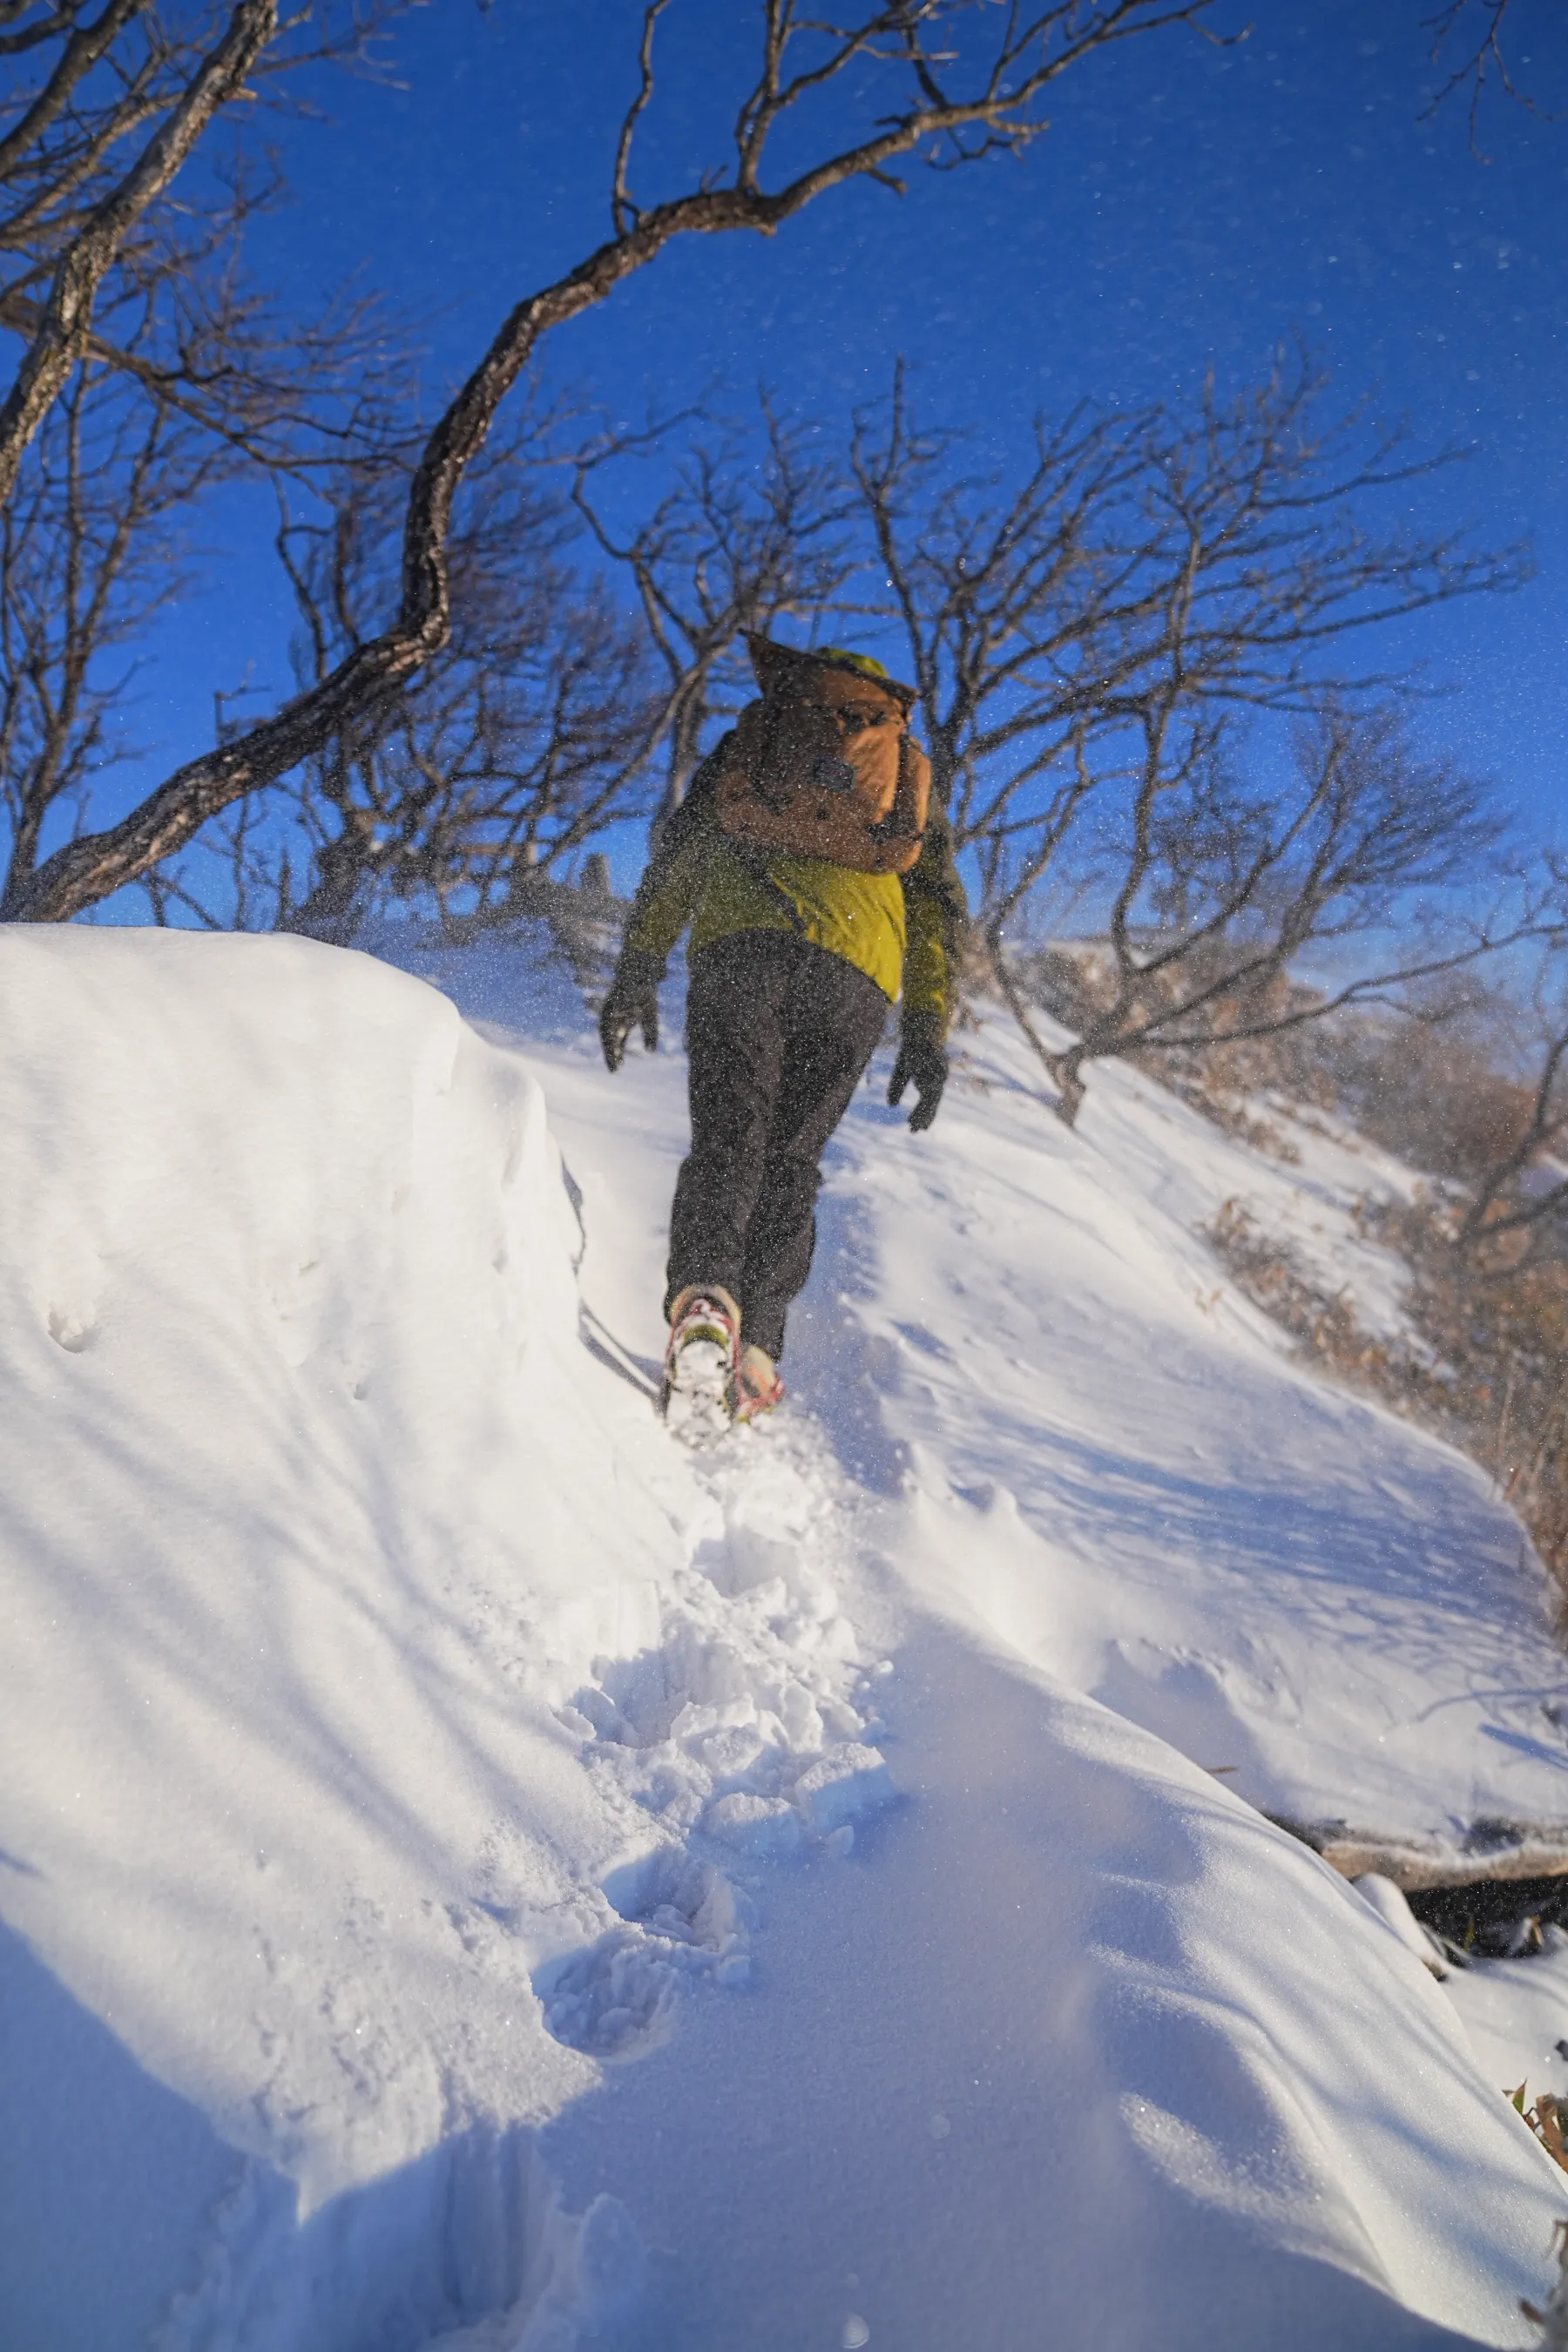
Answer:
(1191, 206)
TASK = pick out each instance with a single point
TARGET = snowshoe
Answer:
(697, 1395)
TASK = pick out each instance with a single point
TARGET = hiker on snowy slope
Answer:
(818, 884)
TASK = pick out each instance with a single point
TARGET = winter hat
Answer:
(775, 664)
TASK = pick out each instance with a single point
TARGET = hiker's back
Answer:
(823, 765)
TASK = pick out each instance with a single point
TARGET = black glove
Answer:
(921, 1063)
(632, 1003)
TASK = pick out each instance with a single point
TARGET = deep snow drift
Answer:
(475, 1874)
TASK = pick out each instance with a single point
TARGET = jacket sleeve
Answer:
(671, 888)
(936, 911)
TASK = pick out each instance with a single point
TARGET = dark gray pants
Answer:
(778, 1033)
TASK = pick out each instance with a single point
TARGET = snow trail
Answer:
(477, 1876)
(740, 1735)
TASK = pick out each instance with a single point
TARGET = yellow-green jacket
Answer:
(904, 931)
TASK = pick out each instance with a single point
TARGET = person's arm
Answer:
(936, 911)
(668, 895)
(666, 900)
(936, 914)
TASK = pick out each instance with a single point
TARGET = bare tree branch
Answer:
(1000, 96)
(91, 545)
(1143, 573)
(517, 743)
(66, 319)
(1227, 884)
(742, 539)
(623, 211)
(1481, 55)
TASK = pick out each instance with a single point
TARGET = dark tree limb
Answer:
(66, 320)
(1037, 47)
(742, 539)
(1485, 1218)
(86, 45)
(1254, 877)
(1481, 57)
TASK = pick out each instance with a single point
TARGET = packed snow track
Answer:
(475, 1874)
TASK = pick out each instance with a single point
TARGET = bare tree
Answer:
(1096, 643)
(934, 77)
(1144, 581)
(91, 546)
(1012, 607)
(94, 135)
(81, 228)
(1522, 1200)
(516, 745)
(740, 539)
(95, 539)
(1467, 45)
(152, 368)
(1226, 882)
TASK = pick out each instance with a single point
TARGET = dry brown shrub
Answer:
(1233, 1118)
(1486, 1365)
(1500, 1320)
(1268, 1271)
(1545, 2115)
(1425, 1092)
(1429, 1093)
(1075, 984)
(1488, 1369)
(1428, 1089)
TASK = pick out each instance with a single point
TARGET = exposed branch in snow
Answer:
(1527, 1852)
(1553, 2321)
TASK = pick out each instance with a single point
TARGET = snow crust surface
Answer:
(474, 1875)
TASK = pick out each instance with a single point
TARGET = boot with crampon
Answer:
(700, 1362)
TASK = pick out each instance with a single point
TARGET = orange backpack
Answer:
(823, 766)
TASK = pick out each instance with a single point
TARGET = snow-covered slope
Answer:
(473, 1874)
(1110, 1457)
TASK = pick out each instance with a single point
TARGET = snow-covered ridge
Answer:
(473, 1875)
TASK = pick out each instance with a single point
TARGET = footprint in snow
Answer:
(740, 1732)
(615, 2000)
